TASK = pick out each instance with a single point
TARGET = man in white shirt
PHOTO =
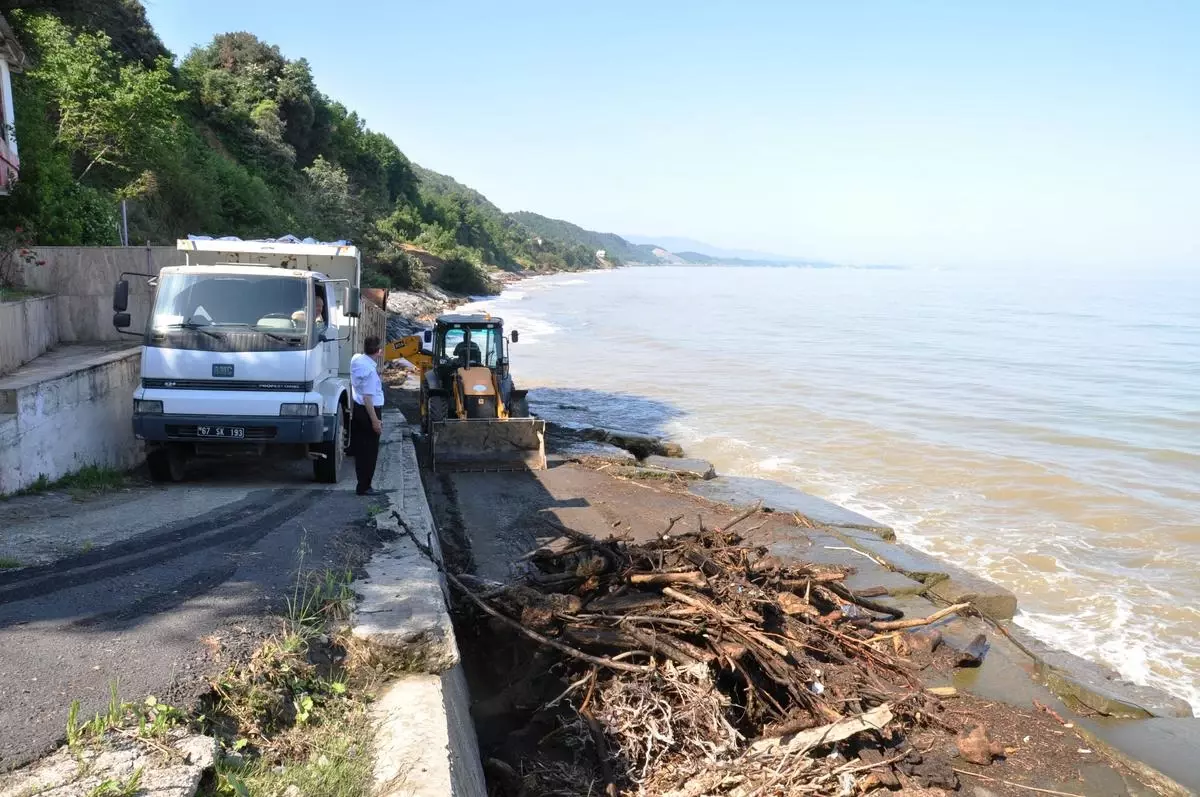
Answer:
(366, 389)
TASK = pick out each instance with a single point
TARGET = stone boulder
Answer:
(638, 444)
(696, 468)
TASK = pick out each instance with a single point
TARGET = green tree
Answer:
(330, 209)
(118, 118)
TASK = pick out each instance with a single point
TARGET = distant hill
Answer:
(689, 248)
(614, 246)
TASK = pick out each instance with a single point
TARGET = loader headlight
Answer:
(146, 407)
(299, 410)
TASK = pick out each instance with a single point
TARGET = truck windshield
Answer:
(266, 311)
(231, 299)
(484, 347)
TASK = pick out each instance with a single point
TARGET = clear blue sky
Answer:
(945, 133)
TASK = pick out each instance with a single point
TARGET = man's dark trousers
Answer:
(366, 446)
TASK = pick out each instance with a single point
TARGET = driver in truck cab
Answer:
(299, 318)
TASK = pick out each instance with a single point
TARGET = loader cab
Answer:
(467, 341)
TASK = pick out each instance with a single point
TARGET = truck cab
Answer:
(246, 351)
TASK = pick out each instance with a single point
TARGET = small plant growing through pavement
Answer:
(119, 788)
(151, 718)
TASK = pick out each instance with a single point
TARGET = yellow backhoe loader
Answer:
(472, 414)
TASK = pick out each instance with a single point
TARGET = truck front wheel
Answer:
(328, 468)
(166, 464)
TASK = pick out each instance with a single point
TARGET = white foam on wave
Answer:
(1118, 640)
(532, 326)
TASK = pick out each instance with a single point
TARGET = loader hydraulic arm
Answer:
(408, 348)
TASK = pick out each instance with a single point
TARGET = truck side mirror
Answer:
(514, 336)
(121, 320)
(121, 297)
(353, 303)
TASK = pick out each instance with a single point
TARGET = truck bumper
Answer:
(218, 429)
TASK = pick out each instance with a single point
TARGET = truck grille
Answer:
(227, 384)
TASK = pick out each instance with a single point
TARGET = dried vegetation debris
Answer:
(696, 664)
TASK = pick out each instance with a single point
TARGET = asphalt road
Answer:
(158, 588)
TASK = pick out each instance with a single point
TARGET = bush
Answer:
(460, 275)
(399, 269)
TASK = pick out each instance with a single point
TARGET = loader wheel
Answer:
(166, 464)
(519, 408)
(439, 408)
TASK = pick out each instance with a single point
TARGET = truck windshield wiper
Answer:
(192, 325)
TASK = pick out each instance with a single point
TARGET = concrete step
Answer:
(66, 410)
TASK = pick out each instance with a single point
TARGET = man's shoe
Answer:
(369, 491)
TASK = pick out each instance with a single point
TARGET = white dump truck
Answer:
(246, 351)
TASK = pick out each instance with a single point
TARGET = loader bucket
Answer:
(487, 444)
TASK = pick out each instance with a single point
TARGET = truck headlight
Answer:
(146, 407)
(302, 410)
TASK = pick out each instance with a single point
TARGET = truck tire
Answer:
(519, 408)
(328, 469)
(166, 464)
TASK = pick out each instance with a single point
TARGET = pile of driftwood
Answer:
(697, 665)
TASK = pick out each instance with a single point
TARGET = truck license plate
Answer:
(234, 432)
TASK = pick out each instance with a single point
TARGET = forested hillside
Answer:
(234, 140)
(614, 246)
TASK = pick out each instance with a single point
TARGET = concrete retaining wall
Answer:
(28, 328)
(82, 277)
(57, 422)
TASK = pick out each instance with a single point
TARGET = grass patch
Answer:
(298, 713)
(9, 294)
(9, 564)
(295, 714)
(332, 758)
(90, 480)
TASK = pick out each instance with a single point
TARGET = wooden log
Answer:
(859, 600)
(707, 607)
(677, 650)
(692, 578)
(626, 602)
(748, 513)
(896, 625)
(873, 720)
(631, 638)
(599, 661)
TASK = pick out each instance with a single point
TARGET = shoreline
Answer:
(1105, 703)
(599, 487)
(1043, 547)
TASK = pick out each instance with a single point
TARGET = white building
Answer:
(12, 59)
